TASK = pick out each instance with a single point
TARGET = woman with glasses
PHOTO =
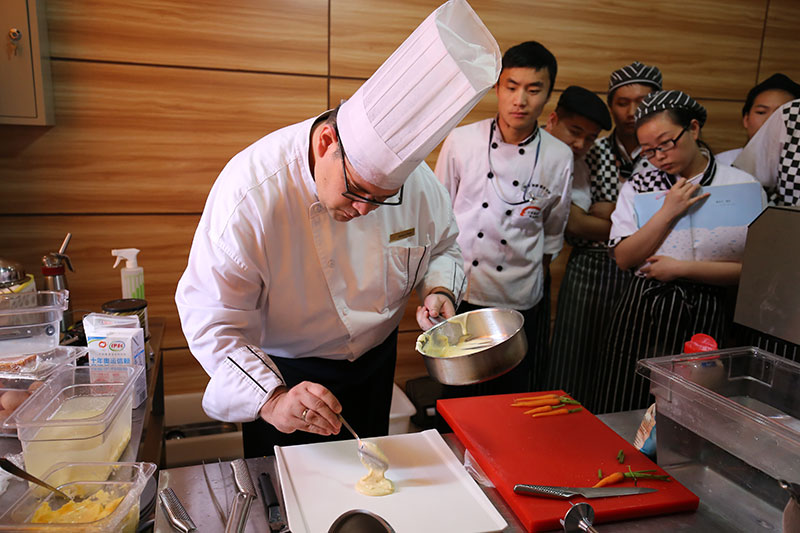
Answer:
(668, 299)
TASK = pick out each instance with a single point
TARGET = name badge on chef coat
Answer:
(400, 235)
(539, 201)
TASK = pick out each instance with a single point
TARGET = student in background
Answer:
(592, 282)
(509, 181)
(761, 102)
(576, 121)
(668, 300)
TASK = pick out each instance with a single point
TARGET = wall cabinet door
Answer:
(25, 87)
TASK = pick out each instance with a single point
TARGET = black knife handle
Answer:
(267, 491)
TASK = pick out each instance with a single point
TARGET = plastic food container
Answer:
(29, 323)
(81, 414)
(17, 387)
(741, 400)
(126, 480)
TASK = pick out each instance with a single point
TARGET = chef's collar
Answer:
(622, 153)
(705, 177)
(525, 141)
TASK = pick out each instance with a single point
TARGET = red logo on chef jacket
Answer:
(537, 195)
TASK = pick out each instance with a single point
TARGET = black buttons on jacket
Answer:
(494, 145)
(485, 205)
(475, 263)
(480, 235)
(508, 213)
(521, 151)
(515, 183)
(499, 268)
(503, 242)
(490, 175)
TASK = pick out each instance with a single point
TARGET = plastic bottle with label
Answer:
(132, 274)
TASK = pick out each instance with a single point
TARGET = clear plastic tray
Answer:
(80, 414)
(29, 324)
(126, 480)
(43, 364)
(743, 400)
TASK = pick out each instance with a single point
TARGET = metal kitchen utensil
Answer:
(175, 511)
(366, 456)
(506, 346)
(217, 506)
(360, 521)
(587, 492)
(246, 491)
(579, 518)
(11, 273)
(271, 505)
(11, 468)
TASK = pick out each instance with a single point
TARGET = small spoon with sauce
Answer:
(370, 458)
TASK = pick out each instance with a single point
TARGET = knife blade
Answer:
(217, 506)
(587, 492)
(270, 500)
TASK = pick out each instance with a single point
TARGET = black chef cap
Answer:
(663, 100)
(776, 81)
(635, 73)
(585, 103)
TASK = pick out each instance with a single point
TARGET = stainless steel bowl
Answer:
(508, 347)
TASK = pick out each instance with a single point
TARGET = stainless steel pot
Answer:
(507, 348)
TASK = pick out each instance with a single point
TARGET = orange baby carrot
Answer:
(610, 479)
(543, 409)
(542, 397)
(555, 412)
(537, 403)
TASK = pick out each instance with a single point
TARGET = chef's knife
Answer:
(271, 505)
(568, 492)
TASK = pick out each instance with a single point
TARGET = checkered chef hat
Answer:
(663, 100)
(635, 73)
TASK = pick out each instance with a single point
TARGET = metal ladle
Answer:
(369, 459)
(11, 468)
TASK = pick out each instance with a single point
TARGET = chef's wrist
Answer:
(444, 292)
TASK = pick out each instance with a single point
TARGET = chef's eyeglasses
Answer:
(665, 146)
(350, 195)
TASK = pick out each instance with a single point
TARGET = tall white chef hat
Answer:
(408, 106)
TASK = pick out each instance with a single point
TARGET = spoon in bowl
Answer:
(11, 468)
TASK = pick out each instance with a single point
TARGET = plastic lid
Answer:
(700, 342)
(124, 305)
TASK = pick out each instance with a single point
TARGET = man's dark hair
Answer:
(776, 81)
(532, 54)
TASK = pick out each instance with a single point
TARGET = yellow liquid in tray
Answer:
(76, 443)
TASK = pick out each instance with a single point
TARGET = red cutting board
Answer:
(512, 447)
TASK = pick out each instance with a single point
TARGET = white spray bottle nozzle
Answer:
(128, 254)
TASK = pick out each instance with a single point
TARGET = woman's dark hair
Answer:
(532, 54)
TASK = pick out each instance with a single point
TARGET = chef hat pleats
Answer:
(419, 94)
(662, 100)
(636, 72)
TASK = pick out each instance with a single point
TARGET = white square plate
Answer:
(433, 492)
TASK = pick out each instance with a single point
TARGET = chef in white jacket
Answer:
(313, 238)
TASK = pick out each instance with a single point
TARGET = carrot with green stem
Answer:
(556, 412)
(617, 477)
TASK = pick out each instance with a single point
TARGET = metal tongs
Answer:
(367, 457)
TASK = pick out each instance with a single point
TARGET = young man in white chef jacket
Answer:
(509, 181)
(313, 238)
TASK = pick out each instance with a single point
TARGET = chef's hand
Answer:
(307, 406)
(663, 268)
(681, 197)
(436, 306)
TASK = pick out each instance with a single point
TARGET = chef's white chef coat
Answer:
(624, 221)
(728, 156)
(772, 155)
(271, 273)
(581, 184)
(503, 244)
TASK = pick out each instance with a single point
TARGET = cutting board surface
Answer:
(512, 447)
(433, 492)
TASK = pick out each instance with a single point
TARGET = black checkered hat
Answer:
(663, 100)
(635, 73)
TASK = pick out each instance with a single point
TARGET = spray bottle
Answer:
(132, 274)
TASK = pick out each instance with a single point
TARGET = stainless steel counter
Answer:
(724, 506)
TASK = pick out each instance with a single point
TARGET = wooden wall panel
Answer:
(780, 40)
(709, 47)
(259, 35)
(164, 242)
(182, 372)
(143, 139)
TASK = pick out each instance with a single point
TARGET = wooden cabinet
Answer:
(25, 86)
